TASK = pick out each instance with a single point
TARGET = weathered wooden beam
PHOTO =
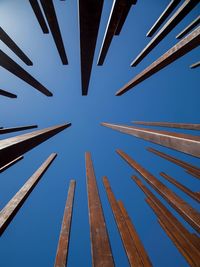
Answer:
(129, 245)
(182, 142)
(89, 21)
(191, 215)
(63, 243)
(118, 14)
(16, 129)
(7, 63)
(11, 208)
(182, 11)
(192, 241)
(11, 163)
(7, 94)
(187, 126)
(195, 65)
(190, 27)
(100, 245)
(165, 14)
(185, 189)
(4, 37)
(13, 147)
(139, 246)
(38, 13)
(174, 160)
(51, 17)
(184, 46)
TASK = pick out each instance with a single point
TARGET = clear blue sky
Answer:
(171, 95)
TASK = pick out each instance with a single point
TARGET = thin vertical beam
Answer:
(38, 13)
(4, 37)
(182, 142)
(165, 14)
(100, 245)
(89, 21)
(139, 246)
(118, 14)
(16, 129)
(127, 240)
(184, 46)
(185, 189)
(14, 147)
(191, 215)
(9, 211)
(195, 65)
(63, 243)
(187, 126)
(7, 63)
(11, 163)
(174, 160)
(182, 11)
(7, 94)
(190, 27)
(192, 241)
(51, 17)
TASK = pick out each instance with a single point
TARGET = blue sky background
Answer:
(170, 95)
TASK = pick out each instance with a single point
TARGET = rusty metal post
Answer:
(63, 243)
(168, 10)
(184, 46)
(100, 245)
(182, 142)
(191, 215)
(190, 27)
(11, 163)
(174, 160)
(191, 239)
(38, 13)
(89, 21)
(4, 37)
(194, 173)
(16, 129)
(185, 189)
(118, 14)
(7, 63)
(126, 237)
(51, 17)
(187, 126)
(11, 208)
(182, 11)
(195, 65)
(139, 246)
(7, 94)
(14, 147)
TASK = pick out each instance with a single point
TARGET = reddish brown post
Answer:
(11, 163)
(191, 215)
(16, 129)
(195, 65)
(190, 27)
(9, 211)
(63, 243)
(187, 126)
(194, 173)
(100, 245)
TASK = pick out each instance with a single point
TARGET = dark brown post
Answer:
(194, 173)
(168, 10)
(190, 27)
(38, 13)
(182, 11)
(51, 17)
(184, 46)
(191, 215)
(4, 37)
(182, 142)
(186, 190)
(127, 240)
(7, 94)
(118, 14)
(13, 147)
(11, 163)
(16, 129)
(187, 126)
(100, 245)
(195, 65)
(63, 243)
(9, 211)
